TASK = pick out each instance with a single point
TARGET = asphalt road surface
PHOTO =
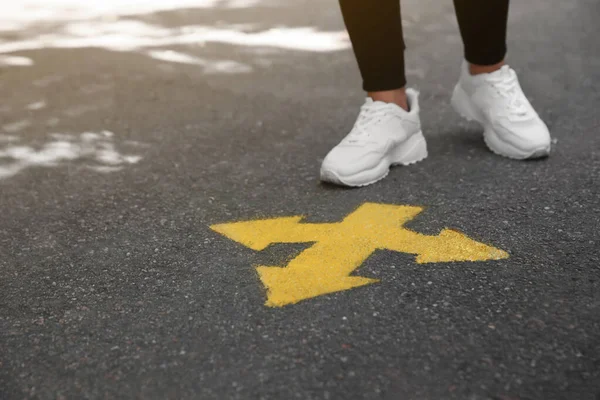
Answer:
(127, 139)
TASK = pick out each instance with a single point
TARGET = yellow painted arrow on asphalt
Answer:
(340, 248)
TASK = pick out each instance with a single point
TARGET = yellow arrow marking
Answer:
(342, 247)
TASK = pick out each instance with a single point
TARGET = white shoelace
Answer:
(370, 114)
(507, 85)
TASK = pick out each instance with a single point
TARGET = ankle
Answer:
(396, 96)
(475, 69)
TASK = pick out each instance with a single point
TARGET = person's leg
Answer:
(388, 129)
(375, 30)
(482, 26)
(488, 90)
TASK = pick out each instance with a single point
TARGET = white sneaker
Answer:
(512, 128)
(384, 135)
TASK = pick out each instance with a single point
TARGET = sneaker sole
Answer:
(407, 153)
(462, 106)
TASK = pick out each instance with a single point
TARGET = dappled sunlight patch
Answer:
(15, 15)
(16, 126)
(96, 151)
(226, 67)
(128, 35)
(112, 25)
(175, 56)
(38, 105)
(16, 61)
(304, 38)
(210, 66)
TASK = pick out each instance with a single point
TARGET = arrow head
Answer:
(289, 285)
(451, 245)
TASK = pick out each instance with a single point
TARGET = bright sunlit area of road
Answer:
(214, 37)
(117, 25)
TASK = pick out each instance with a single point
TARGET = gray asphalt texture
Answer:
(112, 284)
